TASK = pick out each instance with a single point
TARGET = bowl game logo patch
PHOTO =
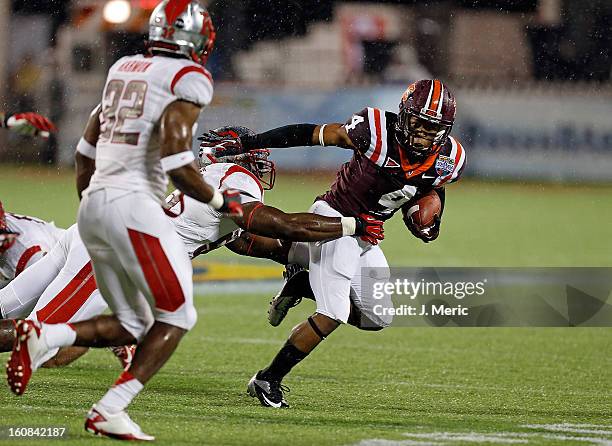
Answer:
(445, 165)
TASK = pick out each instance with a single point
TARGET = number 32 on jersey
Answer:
(131, 97)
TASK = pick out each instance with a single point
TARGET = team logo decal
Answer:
(391, 163)
(408, 91)
(445, 165)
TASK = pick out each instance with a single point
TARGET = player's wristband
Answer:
(177, 160)
(287, 136)
(321, 140)
(349, 225)
(216, 202)
(86, 149)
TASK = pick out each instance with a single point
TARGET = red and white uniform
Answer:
(140, 263)
(36, 238)
(62, 288)
(202, 228)
(137, 91)
(59, 288)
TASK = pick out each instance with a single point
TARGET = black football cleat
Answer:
(296, 287)
(269, 393)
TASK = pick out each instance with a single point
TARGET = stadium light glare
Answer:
(117, 11)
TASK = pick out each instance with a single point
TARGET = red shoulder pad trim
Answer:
(25, 258)
(239, 169)
(185, 70)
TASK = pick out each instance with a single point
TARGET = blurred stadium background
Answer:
(532, 77)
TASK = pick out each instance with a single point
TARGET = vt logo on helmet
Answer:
(222, 145)
(425, 119)
(182, 27)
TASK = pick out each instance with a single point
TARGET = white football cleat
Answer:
(29, 352)
(118, 426)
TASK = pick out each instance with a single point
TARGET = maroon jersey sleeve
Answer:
(460, 160)
(368, 132)
(450, 163)
(358, 129)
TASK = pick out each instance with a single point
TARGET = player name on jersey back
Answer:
(138, 90)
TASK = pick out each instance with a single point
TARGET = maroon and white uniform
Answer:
(141, 265)
(374, 181)
(378, 180)
(36, 238)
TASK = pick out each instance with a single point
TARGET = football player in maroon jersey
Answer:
(396, 157)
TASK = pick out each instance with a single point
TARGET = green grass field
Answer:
(402, 386)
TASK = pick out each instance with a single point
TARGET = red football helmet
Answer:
(213, 149)
(425, 119)
(182, 27)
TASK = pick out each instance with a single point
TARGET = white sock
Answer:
(121, 394)
(58, 335)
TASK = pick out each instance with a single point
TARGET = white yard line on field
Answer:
(588, 434)
(573, 428)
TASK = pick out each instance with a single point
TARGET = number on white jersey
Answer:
(118, 93)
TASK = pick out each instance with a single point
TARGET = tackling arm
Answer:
(178, 160)
(261, 247)
(271, 222)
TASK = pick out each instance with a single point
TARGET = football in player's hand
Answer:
(421, 211)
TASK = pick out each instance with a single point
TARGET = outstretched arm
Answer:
(269, 221)
(295, 135)
(333, 134)
(252, 245)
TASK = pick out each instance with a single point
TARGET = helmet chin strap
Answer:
(418, 155)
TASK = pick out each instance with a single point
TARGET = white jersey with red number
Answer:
(203, 229)
(137, 91)
(36, 238)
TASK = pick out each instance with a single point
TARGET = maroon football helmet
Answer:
(425, 119)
